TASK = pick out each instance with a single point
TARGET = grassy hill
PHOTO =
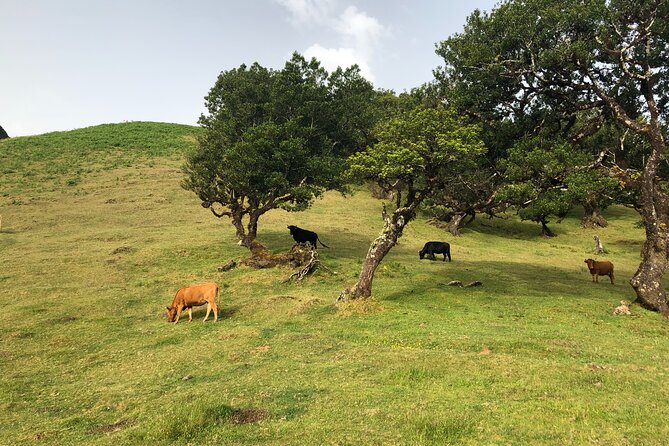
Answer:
(97, 236)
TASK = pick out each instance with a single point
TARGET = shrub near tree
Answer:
(580, 64)
(416, 152)
(277, 139)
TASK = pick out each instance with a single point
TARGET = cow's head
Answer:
(421, 254)
(171, 314)
(590, 262)
(292, 228)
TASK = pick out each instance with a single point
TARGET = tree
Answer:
(538, 172)
(465, 194)
(277, 139)
(415, 152)
(581, 63)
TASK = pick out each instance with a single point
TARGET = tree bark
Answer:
(247, 235)
(455, 223)
(592, 218)
(393, 226)
(545, 230)
(654, 208)
(599, 248)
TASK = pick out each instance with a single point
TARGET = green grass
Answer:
(534, 356)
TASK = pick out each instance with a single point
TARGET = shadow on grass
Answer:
(507, 279)
(342, 243)
(508, 228)
(225, 312)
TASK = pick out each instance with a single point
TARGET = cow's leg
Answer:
(444, 257)
(179, 309)
(597, 277)
(190, 314)
(208, 311)
(611, 276)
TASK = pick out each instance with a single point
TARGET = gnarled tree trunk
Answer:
(654, 208)
(592, 218)
(455, 222)
(545, 230)
(247, 235)
(393, 226)
(647, 280)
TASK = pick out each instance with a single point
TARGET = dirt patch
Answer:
(23, 335)
(121, 250)
(110, 428)
(63, 320)
(248, 416)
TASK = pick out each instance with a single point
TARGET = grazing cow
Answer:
(193, 296)
(302, 236)
(432, 248)
(602, 268)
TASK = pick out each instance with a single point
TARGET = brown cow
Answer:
(602, 268)
(194, 296)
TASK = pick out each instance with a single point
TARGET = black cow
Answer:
(432, 248)
(302, 236)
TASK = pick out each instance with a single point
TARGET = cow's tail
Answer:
(322, 244)
(217, 298)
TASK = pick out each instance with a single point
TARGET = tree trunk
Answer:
(592, 218)
(647, 281)
(455, 223)
(393, 227)
(247, 236)
(545, 230)
(654, 208)
(252, 227)
(599, 248)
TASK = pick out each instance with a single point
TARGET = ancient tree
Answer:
(277, 139)
(415, 152)
(578, 65)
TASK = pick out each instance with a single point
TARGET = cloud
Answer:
(304, 12)
(331, 58)
(362, 30)
(360, 34)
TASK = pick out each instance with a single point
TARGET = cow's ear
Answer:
(167, 308)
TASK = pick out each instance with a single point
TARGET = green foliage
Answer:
(417, 151)
(278, 138)
(538, 173)
(593, 186)
(586, 72)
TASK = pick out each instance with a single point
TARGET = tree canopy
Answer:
(417, 151)
(568, 68)
(277, 138)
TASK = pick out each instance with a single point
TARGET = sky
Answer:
(67, 64)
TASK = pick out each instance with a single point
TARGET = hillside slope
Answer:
(97, 236)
